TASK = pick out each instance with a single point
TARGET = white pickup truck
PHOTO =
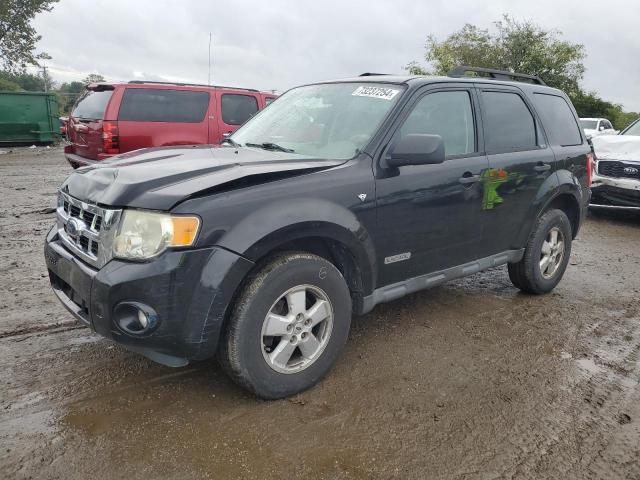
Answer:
(594, 127)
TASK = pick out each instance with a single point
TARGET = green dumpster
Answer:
(28, 117)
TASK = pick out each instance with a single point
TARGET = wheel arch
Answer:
(315, 226)
(562, 191)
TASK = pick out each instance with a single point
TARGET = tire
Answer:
(258, 361)
(530, 274)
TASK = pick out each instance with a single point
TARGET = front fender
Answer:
(284, 221)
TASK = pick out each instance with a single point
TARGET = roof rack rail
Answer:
(495, 74)
(372, 74)
(190, 85)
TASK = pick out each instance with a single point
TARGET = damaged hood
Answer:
(159, 178)
(617, 147)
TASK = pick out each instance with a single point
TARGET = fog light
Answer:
(143, 319)
(135, 318)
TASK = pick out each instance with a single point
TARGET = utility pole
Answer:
(209, 74)
(44, 78)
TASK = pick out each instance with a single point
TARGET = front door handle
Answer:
(542, 167)
(468, 178)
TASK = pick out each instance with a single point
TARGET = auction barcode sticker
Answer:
(376, 92)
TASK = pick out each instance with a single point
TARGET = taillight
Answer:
(589, 168)
(110, 138)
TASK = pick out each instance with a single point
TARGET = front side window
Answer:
(448, 114)
(508, 123)
(163, 105)
(237, 109)
(334, 120)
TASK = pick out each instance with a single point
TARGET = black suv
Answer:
(339, 196)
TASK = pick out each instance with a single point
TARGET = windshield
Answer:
(327, 121)
(633, 129)
(589, 124)
(92, 105)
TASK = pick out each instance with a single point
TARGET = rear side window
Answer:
(558, 120)
(447, 114)
(92, 105)
(268, 100)
(237, 109)
(160, 105)
(508, 124)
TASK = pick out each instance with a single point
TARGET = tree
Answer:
(93, 78)
(24, 81)
(521, 47)
(17, 37)
(513, 46)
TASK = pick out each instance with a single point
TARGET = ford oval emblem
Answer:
(74, 227)
(631, 170)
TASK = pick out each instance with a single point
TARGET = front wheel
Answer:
(289, 326)
(546, 255)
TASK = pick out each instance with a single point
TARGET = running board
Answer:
(411, 285)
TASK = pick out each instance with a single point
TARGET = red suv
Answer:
(113, 118)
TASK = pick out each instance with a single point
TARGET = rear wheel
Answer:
(289, 326)
(546, 255)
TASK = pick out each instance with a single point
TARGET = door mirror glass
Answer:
(417, 149)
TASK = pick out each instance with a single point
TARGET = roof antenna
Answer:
(209, 74)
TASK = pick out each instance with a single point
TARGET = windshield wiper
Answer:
(231, 142)
(270, 146)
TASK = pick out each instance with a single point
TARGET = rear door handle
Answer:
(542, 167)
(467, 178)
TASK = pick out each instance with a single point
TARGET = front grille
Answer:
(610, 168)
(93, 220)
(86, 229)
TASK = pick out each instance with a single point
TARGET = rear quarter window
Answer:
(237, 109)
(161, 105)
(92, 105)
(508, 123)
(557, 119)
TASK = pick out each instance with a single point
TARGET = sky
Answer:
(279, 44)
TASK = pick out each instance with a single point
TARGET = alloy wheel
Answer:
(296, 329)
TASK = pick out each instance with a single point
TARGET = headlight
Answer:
(142, 235)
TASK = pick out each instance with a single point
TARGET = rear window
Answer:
(508, 123)
(237, 109)
(160, 105)
(589, 124)
(558, 120)
(92, 105)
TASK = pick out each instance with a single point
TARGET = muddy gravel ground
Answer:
(469, 380)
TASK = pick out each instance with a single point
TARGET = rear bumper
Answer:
(189, 290)
(77, 161)
(624, 192)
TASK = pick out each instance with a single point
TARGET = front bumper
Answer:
(190, 290)
(624, 192)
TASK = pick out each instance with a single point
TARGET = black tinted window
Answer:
(156, 105)
(447, 114)
(558, 120)
(92, 105)
(237, 109)
(508, 123)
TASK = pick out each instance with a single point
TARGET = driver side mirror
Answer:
(417, 149)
